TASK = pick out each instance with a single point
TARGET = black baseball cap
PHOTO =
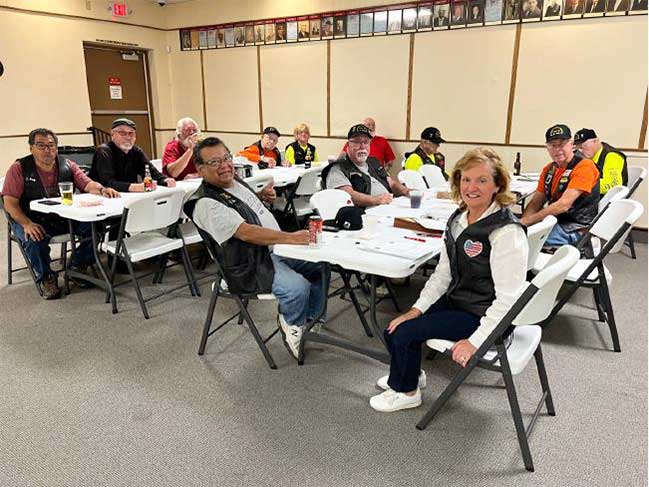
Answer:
(433, 135)
(357, 130)
(584, 134)
(349, 218)
(123, 121)
(272, 130)
(558, 131)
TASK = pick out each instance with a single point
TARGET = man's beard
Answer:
(126, 146)
(362, 156)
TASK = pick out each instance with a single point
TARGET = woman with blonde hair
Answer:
(300, 152)
(480, 274)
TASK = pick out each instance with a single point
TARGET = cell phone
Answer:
(50, 202)
(328, 228)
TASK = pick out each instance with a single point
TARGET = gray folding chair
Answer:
(530, 309)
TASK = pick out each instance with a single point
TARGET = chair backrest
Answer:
(433, 175)
(537, 234)
(155, 210)
(613, 194)
(258, 181)
(548, 282)
(403, 163)
(637, 174)
(308, 183)
(328, 201)
(157, 163)
(412, 179)
(619, 215)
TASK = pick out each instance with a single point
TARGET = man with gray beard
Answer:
(360, 175)
(177, 159)
(120, 164)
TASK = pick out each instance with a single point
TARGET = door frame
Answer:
(147, 84)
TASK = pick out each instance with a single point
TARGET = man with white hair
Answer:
(379, 147)
(360, 174)
(177, 160)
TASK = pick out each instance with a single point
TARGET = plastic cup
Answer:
(66, 190)
(415, 198)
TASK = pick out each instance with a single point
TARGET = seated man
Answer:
(120, 164)
(300, 151)
(427, 152)
(361, 175)
(177, 160)
(570, 186)
(228, 209)
(37, 176)
(610, 162)
(379, 147)
(264, 152)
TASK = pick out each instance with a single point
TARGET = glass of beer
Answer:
(66, 190)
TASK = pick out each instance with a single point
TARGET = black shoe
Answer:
(50, 287)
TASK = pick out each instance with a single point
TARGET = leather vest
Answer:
(35, 190)
(472, 287)
(583, 210)
(360, 181)
(302, 155)
(248, 268)
(440, 160)
(276, 154)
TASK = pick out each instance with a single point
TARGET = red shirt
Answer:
(173, 151)
(379, 149)
(14, 184)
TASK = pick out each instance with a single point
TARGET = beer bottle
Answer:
(148, 180)
(517, 165)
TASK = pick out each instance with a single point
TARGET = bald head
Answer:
(370, 124)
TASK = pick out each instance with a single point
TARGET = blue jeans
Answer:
(39, 252)
(299, 288)
(558, 237)
(442, 321)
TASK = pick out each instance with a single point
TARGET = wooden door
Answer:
(118, 87)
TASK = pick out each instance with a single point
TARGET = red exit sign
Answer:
(120, 10)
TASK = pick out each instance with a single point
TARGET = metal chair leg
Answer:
(543, 378)
(610, 315)
(393, 296)
(255, 334)
(599, 304)
(138, 291)
(631, 244)
(9, 263)
(189, 273)
(208, 320)
(515, 408)
(356, 304)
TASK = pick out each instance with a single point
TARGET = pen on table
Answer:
(415, 239)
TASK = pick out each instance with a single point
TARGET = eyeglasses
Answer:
(40, 146)
(218, 162)
(123, 133)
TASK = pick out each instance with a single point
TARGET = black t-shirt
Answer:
(118, 170)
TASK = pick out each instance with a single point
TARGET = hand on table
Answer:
(462, 352)
(268, 193)
(34, 231)
(384, 199)
(171, 182)
(301, 237)
(109, 193)
(270, 161)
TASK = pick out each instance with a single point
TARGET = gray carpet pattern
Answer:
(95, 399)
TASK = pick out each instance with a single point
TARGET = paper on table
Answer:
(406, 249)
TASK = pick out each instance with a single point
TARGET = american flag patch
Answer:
(472, 248)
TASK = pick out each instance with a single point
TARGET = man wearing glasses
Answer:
(120, 164)
(37, 176)
(245, 230)
(361, 175)
(570, 186)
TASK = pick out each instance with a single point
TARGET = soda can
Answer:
(315, 231)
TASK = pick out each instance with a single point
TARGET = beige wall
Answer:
(460, 79)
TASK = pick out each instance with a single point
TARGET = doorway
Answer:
(118, 86)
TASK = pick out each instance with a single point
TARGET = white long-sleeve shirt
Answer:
(508, 260)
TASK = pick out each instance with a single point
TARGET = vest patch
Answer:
(472, 249)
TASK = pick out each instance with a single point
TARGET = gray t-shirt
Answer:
(222, 222)
(336, 179)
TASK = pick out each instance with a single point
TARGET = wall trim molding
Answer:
(643, 126)
(259, 97)
(512, 84)
(204, 97)
(411, 61)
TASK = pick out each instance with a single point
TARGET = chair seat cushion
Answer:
(145, 245)
(525, 340)
(575, 271)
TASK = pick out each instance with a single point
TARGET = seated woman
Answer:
(480, 275)
(300, 151)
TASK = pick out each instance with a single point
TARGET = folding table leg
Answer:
(516, 410)
(393, 296)
(356, 304)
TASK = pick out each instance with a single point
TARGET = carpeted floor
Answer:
(95, 399)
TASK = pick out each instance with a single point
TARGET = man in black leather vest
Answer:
(245, 231)
(610, 161)
(35, 177)
(360, 175)
(570, 187)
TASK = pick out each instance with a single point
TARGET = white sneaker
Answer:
(390, 401)
(291, 334)
(382, 383)
(382, 291)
